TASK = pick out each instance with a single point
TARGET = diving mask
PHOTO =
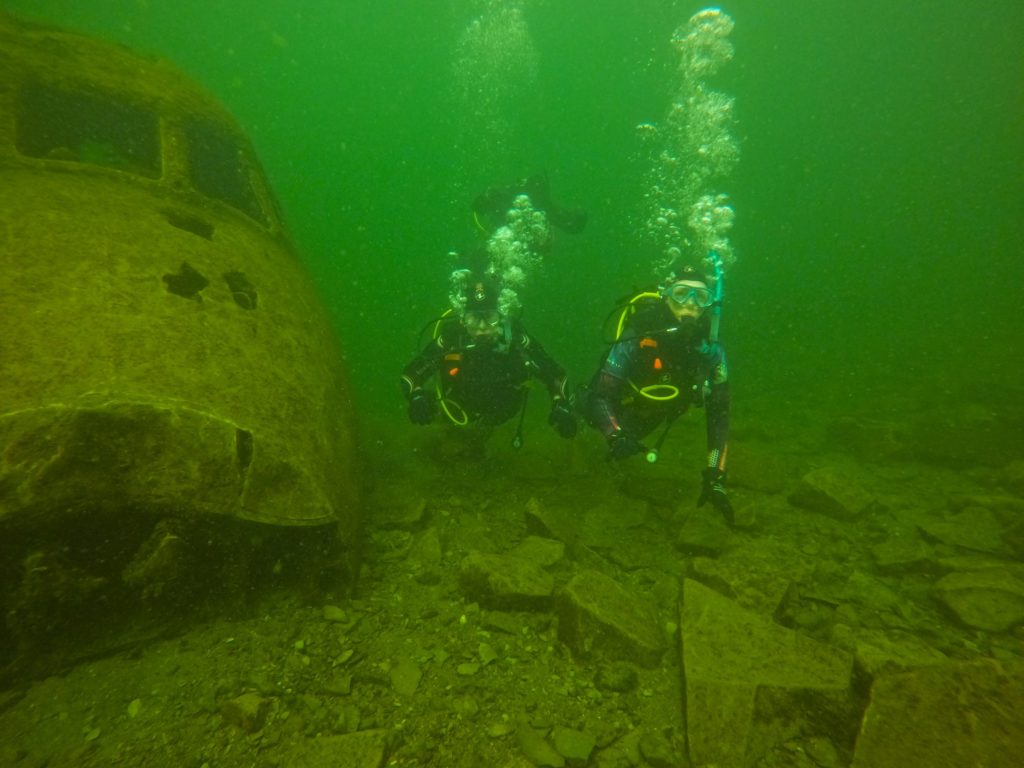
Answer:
(681, 293)
(479, 322)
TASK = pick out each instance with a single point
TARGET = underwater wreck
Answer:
(172, 397)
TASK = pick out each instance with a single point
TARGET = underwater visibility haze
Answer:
(856, 173)
(881, 156)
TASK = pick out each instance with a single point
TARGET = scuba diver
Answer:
(665, 358)
(484, 360)
(491, 206)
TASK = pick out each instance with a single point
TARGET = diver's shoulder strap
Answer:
(447, 331)
(634, 315)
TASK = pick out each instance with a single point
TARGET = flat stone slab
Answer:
(598, 617)
(751, 684)
(506, 582)
(883, 653)
(835, 492)
(362, 749)
(540, 551)
(975, 528)
(947, 716)
(991, 599)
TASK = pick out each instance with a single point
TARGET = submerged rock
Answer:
(657, 750)
(505, 582)
(540, 551)
(536, 748)
(575, 746)
(975, 528)
(833, 491)
(361, 749)
(879, 652)
(618, 677)
(703, 535)
(966, 714)
(248, 711)
(903, 553)
(597, 616)
(751, 684)
(991, 600)
(405, 676)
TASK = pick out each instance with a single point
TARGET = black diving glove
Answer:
(562, 418)
(421, 407)
(713, 490)
(622, 446)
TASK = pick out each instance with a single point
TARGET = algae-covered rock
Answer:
(835, 492)
(598, 617)
(969, 713)
(751, 684)
(991, 599)
(505, 582)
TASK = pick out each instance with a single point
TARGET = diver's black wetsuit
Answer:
(487, 381)
(491, 206)
(671, 355)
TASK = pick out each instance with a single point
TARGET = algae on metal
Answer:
(164, 353)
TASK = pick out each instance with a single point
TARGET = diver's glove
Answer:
(713, 490)
(421, 407)
(562, 418)
(622, 446)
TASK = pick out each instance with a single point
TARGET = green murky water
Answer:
(879, 196)
(879, 236)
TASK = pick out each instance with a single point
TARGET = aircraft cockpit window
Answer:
(88, 127)
(220, 168)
